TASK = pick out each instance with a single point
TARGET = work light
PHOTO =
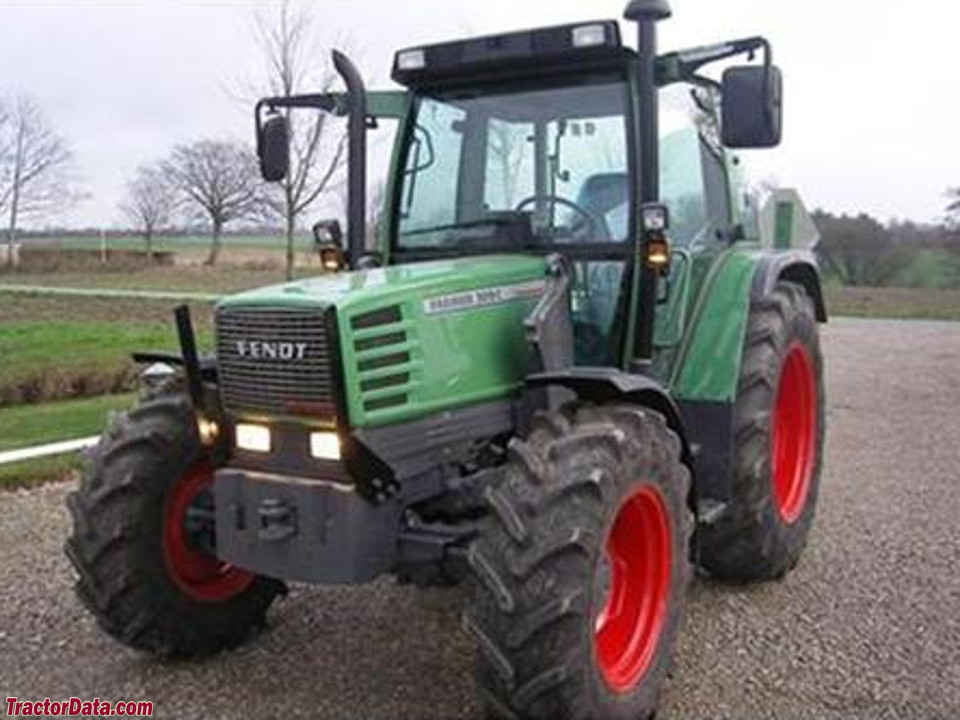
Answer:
(411, 60)
(589, 36)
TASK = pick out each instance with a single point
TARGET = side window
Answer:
(434, 158)
(717, 189)
(685, 175)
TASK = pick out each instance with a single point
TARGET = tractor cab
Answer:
(556, 141)
(541, 165)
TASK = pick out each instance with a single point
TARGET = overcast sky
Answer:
(872, 98)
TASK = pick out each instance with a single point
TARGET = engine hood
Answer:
(363, 290)
(412, 340)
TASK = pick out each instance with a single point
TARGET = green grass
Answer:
(37, 472)
(932, 269)
(29, 348)
(57, 359)
(28, 425)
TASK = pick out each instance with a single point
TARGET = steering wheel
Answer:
(595, 224)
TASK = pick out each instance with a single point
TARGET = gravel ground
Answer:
(867, 626)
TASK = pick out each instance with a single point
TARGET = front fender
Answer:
(600, 384)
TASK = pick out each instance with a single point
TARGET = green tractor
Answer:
(573, 365)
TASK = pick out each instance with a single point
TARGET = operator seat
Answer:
(602, 193)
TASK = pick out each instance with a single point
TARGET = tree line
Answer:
(859, 250)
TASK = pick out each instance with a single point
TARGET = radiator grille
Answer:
(275, 361)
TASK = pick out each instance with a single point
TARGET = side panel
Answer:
(439, 346)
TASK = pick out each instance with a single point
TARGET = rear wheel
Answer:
(778, 436)
(582, 568)
(143, 538)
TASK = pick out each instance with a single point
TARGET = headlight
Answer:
(325, 445)
(255, 438)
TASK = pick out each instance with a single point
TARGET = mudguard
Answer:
(707, 370)
(601, 384)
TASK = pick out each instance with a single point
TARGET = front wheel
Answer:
(143, 538)
(582, 568)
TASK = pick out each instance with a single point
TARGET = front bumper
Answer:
(303, 529)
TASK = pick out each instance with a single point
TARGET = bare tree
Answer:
(317, 146)
(219, 180)
(953, 208)
(5, 135)
(150, 201)
(36, 167)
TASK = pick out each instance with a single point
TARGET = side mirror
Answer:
(273, 147)
(752, 106)
(328, 240)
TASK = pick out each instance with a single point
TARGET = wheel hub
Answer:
(793, 435)
(197, 572)
(635, 577)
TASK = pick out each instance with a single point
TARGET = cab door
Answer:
(693, 185)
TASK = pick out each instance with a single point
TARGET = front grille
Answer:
(275, 361)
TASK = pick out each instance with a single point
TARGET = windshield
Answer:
(521, 169)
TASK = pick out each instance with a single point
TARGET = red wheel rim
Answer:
(793, 436)
(199, 575)
(639, 560)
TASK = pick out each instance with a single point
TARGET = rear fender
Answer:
(708, 365)
(707, 371)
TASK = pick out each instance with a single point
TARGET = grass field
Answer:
(894, 303)
(269, 243)
(57, 348)
(29, 425)
(188, 278)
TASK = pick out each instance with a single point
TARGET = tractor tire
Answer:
(140, 575)
(581, 569)
(778, 444)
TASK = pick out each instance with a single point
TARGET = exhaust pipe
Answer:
(356, 157)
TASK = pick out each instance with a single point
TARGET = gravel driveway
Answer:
(867, 626)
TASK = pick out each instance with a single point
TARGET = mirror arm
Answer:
(683, 65)
(327, 102)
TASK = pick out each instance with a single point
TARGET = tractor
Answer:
(574, 362)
